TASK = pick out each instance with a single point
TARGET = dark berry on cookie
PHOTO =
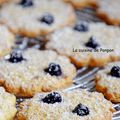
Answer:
(81, 110)
(92, 43)
(115, 71)
(47, 18)
(26, 3)
(16, 57)
(54, 69)
(82, 27)
(52, 98)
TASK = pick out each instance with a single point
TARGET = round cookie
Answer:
(108, 81)
(82, 3)
(7, 105)
(72, 105)
(6, 40)
(35, 71)
(36, 17)
(108, 10)
(85, 44)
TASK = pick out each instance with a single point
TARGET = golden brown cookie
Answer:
(3, 1)
(32, 71)
(72, 105)
(108, 81)
(82, 3)
(7, 40)
(7, 105)
(85, 44)
(109, 11)
(36, 17)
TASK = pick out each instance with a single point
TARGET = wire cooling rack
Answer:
(85, 76)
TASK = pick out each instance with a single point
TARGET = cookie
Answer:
(85, 44)
(32, 71)
(108, 81)
(3, 1)
(7, 105)
(7, 40)
(72, 105)
(108, 11)
(82, 3)
(36, 17)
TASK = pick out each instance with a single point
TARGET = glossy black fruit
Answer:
(26, 3)
(54, 69)
(52, 98)
(82, 27)
(47, 18)
(92, 43)
(81, 110)
(16, 57)
(115, 71)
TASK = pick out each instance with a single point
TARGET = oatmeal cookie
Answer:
(108, 10)
(7, 40)
(83, 3)
(72, 105)
(7, 105)
(36, 17)
(108, 81)
(92, 44)
(32, 71)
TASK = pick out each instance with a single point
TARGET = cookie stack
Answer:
(41, 75)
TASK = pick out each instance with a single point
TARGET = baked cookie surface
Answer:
(72, 105)
(7, 105)
(108, 10)
(36, 17)
(80, 43)
(3, 1)
(35, 71)
(82, 3)
(6, 40)
(108, 81)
